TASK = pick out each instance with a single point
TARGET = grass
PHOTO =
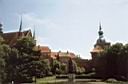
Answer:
(51, 79)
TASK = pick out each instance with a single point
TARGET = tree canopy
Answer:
(113, 62)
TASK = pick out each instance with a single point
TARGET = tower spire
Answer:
(34, 33)
(34, 36)
(20, 29)
(100, 26)
(100, 32)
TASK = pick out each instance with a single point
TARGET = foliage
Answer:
(113, 62)
(25, 45)
(2, 63)
(71, 66)
(56, 67)
(15, 63)
(63, 68)
(80, 70)
(2, 56)
(46, 67)
(40, 68)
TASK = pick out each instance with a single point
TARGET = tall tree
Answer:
(25, 45)
(113, 62)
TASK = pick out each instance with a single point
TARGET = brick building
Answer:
(10, 38)
(45, 52)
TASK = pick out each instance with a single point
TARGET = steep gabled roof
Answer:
(11, 37)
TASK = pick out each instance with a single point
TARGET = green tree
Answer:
(25, 45)
(2, 56)
(2, 60)
(2, 64)
(8, 61)
(56, 67)
(63, 68)
(39, 68)
(113, 62)
(71, 66)
(11, 63)
(113, 59)
(27, 64)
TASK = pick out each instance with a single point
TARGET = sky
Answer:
(68, 24)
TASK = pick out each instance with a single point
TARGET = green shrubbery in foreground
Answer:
(113, 62)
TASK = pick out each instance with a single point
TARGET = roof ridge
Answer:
(17, 31)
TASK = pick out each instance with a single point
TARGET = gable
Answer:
(11, 37)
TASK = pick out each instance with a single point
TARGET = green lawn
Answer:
(51, 79)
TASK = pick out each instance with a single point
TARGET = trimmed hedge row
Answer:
(77, 77)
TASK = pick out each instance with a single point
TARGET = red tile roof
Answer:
(63, 54)
(54, 54)
(44, 49)
(11, 37)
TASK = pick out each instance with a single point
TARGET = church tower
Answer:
(100, 45)
(12, 37)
